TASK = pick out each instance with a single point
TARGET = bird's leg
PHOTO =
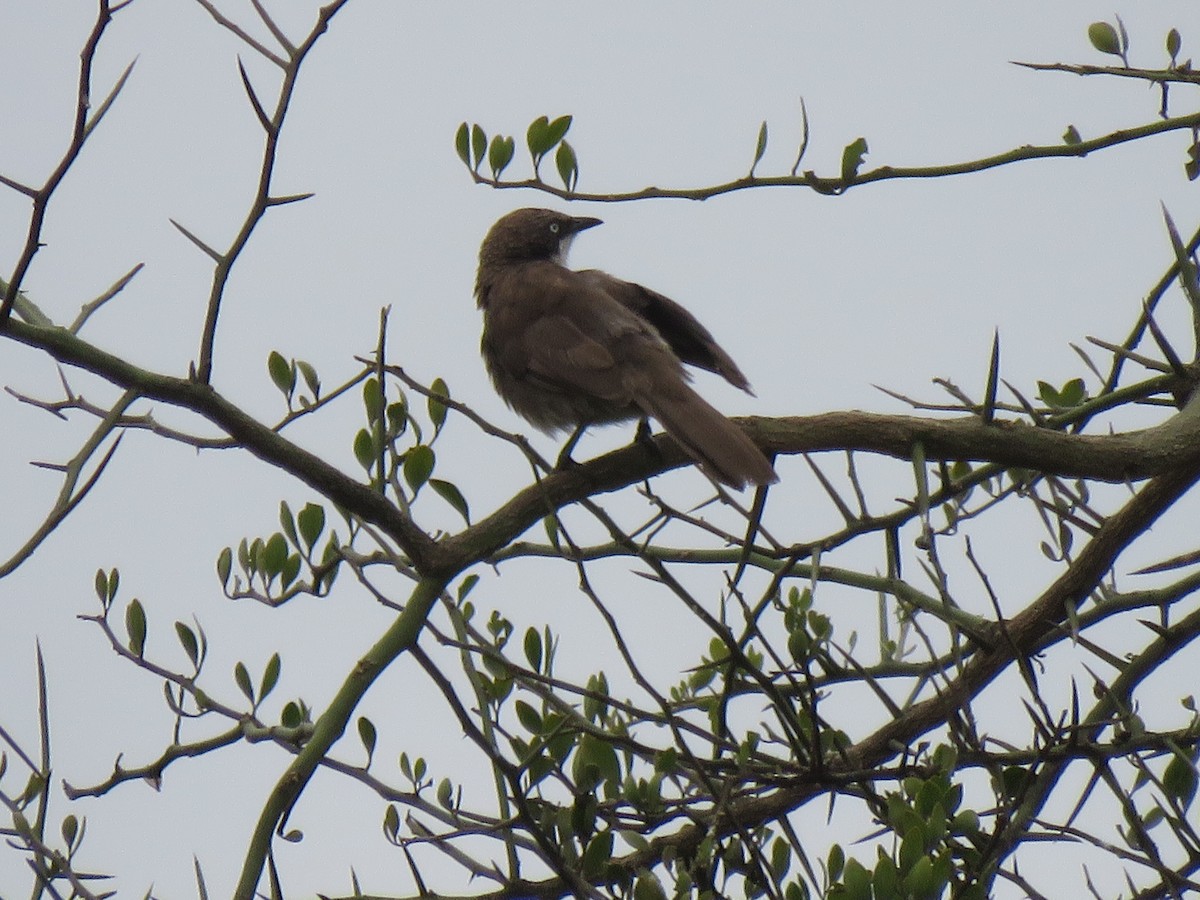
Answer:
(642, 435)
(644, 438)
(564, 460)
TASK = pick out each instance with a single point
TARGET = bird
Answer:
(567, 349)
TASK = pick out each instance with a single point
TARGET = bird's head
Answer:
(529, 234)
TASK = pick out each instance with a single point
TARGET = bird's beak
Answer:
(582, 223)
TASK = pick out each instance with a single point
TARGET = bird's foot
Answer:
(643, 435)
(565, 461)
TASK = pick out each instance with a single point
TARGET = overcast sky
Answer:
(818, 298)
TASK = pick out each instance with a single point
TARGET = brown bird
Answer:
(569, 349)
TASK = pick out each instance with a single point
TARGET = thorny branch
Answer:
(718, 763)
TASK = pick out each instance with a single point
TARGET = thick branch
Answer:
(1119, 457)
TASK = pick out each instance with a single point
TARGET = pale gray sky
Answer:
(818, 298)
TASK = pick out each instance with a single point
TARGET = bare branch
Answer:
(261, 114)
(232, 26)
(205, 248)
(275, 30)
(79, 133)
(96, 117)
(87, 309)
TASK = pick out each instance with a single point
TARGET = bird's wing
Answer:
(553, 327)
(691, 341)
(560, 354)
(571, 335)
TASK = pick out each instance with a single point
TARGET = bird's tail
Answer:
(720, 447)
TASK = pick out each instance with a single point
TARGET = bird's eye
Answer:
(554, 228)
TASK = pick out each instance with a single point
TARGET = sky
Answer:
(820, 299)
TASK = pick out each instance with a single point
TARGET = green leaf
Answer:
(1174, 42)
(568, 165)
(1073, 392)
(368, 736)
(364, 449)
(781, 858)
(70, 830)
(106, 586)
(533, 649)
(479, 144)
(445, 793)
(245, 556)
(759, 148)
(452, 495)
(291, 568)
(291, 716)
(397, 417)
(529, 718)
(885, 880)
(372, 395)
(500, 154)
(1179, 780)
(836, 861)
(648, 887)
(596, 761)
(966, 823)
(597, 854)
(224, 565)
(187, 638)
(1014, 781)
(1152, 817)
(1104, 38)
(274, 555)
(919, 882)
(558, 129)
(282, 373)
(467, 585)
(418, 465)
(310, 378)
(594, 706)
(135, 627)
(852, 159)
(241, 676)
(270, 676)
(550, 524)
(537, 139)
(912, 845)
(391, 822)
(1047, 394)
(462, 144)
(311, 522)
(287, 522)
(856, 881)
(542, 135)
(437, 409)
